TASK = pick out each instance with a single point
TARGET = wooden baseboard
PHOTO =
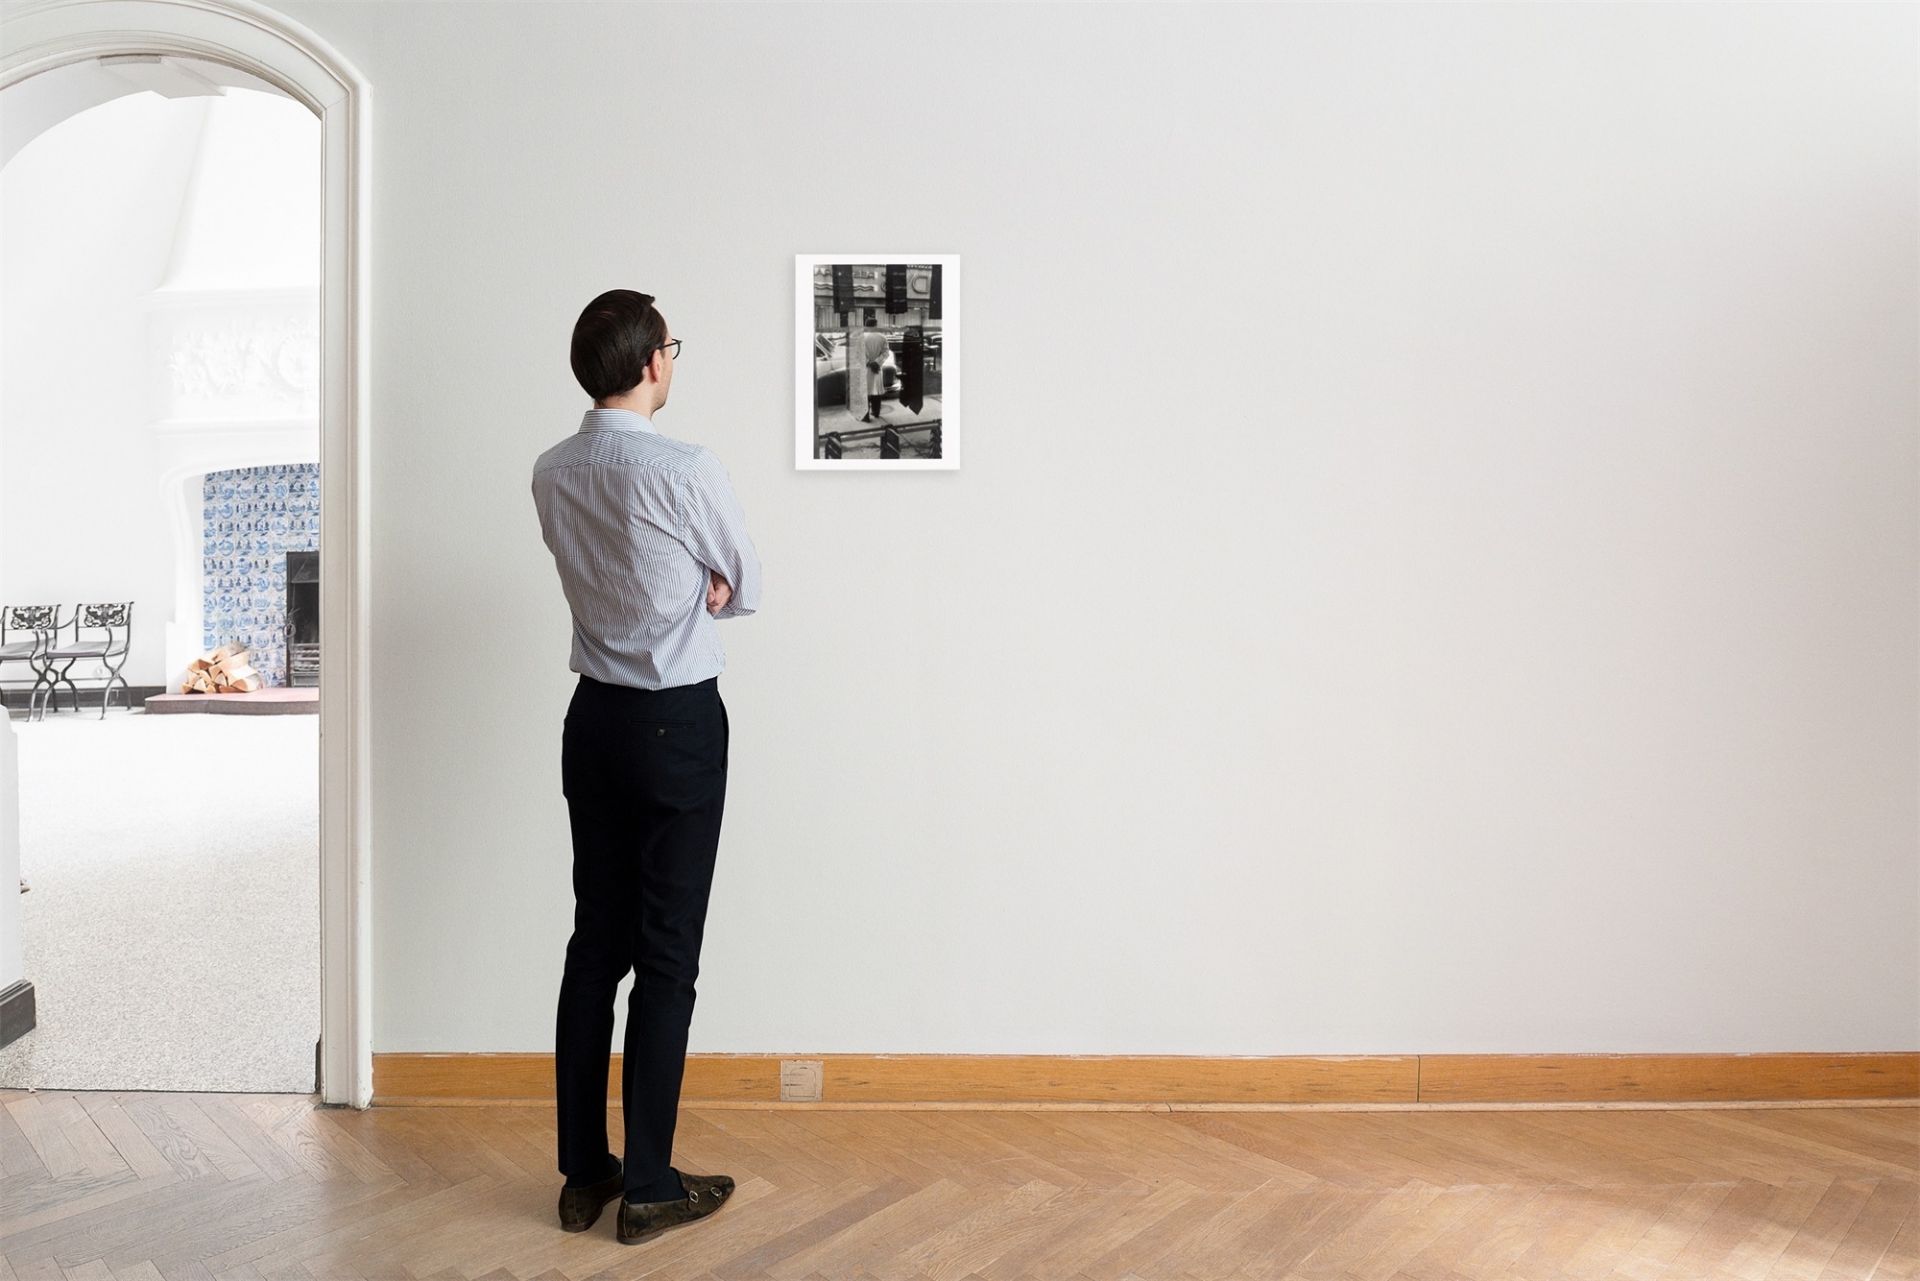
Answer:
(90, 696)
(910, 1080)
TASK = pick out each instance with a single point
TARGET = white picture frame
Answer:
(823, 336)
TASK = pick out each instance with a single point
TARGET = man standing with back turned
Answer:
(652, 548)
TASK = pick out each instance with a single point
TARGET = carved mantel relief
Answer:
(226, 356)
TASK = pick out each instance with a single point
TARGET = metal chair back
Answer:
(41, 620)
(115, 618)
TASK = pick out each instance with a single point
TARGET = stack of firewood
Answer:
(224, 671)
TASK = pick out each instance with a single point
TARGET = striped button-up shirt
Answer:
(636, 521)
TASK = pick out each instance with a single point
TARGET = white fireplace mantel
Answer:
(232, 382)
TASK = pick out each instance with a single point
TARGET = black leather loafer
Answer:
(705, 1194)
(580, 1207)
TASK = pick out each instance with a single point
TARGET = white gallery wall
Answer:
(1433, 567)
(158, 309)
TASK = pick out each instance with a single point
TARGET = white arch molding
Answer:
(39, 35)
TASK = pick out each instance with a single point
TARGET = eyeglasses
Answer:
(674, 343)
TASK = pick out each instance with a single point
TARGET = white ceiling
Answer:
(38, 103)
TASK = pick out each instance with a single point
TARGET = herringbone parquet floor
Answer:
(177, 1185)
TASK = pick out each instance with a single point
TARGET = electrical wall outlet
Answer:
(800, 1080)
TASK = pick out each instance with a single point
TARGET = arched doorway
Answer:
(39, 37)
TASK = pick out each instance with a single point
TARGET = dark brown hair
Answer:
(614, 340)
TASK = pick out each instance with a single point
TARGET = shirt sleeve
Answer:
(715, 530)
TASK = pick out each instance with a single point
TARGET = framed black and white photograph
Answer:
(875, 378)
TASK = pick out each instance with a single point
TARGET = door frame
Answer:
(39, 35)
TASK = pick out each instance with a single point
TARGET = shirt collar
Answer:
(598, 419)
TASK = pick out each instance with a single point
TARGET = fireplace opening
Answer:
(303, 618)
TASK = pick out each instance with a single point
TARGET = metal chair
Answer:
(116, 620)
(41, 621)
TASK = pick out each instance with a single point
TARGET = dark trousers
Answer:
(645, 777)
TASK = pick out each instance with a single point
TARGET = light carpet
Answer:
(173, 921)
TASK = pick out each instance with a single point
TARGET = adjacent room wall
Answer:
(1433, 567)
(90, 209)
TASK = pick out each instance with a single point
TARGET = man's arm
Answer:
(715, 530)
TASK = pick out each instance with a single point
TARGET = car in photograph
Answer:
(829, 369)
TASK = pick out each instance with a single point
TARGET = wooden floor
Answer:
(165, 1185)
